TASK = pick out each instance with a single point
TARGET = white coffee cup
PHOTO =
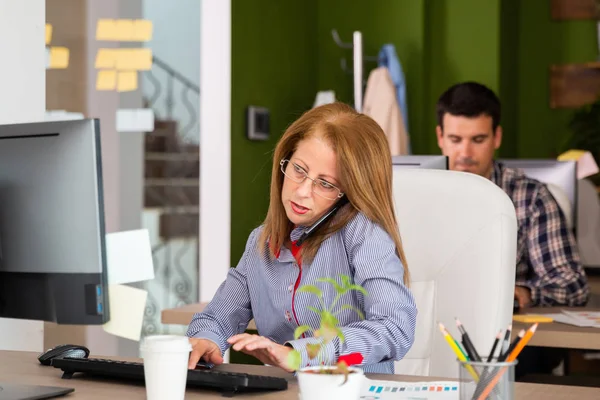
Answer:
(165, 366)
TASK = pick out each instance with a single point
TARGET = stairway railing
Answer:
(176, 283)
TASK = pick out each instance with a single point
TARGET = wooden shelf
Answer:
(574, 85)
(575, 9)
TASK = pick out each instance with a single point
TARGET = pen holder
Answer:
(487, 380)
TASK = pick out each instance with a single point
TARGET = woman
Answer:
(329, 153)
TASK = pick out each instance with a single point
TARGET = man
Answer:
(549, 271)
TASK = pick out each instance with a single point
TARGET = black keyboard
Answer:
(228, 382)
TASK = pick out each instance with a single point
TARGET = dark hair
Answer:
(469, 99)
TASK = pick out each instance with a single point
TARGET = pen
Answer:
(512, 346)
(458, 351)
(511, 357)
(467, 342)
(491, 356)
(506, 341)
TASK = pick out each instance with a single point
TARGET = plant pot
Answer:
(318, 386)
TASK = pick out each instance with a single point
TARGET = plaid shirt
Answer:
(547, 259)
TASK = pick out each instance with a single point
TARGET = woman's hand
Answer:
(202, 348)
(262, 348)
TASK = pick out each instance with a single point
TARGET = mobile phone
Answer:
(321, 221)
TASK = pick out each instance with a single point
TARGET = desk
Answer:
(23, 368)
(183, 315)
(554, 334)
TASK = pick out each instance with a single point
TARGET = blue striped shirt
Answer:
(263, 288)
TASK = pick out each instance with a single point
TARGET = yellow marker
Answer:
(59, 57)
(106, 80)
(571, 155)
(48, 34)
(459, 353)
(531, 318)
(127, 81)
(142, 30)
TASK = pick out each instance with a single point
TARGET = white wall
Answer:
(176, 40)
(22, 99)
(215, 149)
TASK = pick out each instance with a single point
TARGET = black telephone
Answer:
(340, 203)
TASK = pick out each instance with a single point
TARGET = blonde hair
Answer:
(364, 172)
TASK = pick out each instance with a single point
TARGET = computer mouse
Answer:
(63, 350)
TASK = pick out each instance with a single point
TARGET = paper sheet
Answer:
(127, 81)
(106, 80)
(59, 57)
(127, 306)
(586, 165)
(135, 120)
(382, 390)
(129, 257)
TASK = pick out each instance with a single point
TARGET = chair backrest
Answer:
(459, 232)
(564, 203)
(588, 225)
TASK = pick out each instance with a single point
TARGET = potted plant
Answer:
(337, 381)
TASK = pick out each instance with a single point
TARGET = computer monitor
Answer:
(559, 173)
(429, 162)
(52, 235)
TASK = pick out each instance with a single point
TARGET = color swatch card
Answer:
(388, 390)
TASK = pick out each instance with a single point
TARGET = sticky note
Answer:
(142, 30)
(129, 257)
(134, 59)
(106, 58)
(106, 29)
(126, 306)
(48, 34)
(59, 57)
(106, 80)
(124, 30)
(531, 318)
(127, 81)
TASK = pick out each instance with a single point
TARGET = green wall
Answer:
(283, 53)
(273, 65)
(543, 42)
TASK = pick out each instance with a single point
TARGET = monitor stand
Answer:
(9, 391)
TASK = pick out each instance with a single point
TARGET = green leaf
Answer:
(356, 310)
(359, 289)
(333, 282)
(346, 281)
(328, 319)
(310, 289)
(314, 309)
(294, 359)
(300, 330)
(312, 349)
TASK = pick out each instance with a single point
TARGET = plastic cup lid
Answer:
(166, 343)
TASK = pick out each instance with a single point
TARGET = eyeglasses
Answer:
(319, 186)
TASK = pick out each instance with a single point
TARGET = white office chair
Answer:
(459, 232)
(563, 201)
(588, 223)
